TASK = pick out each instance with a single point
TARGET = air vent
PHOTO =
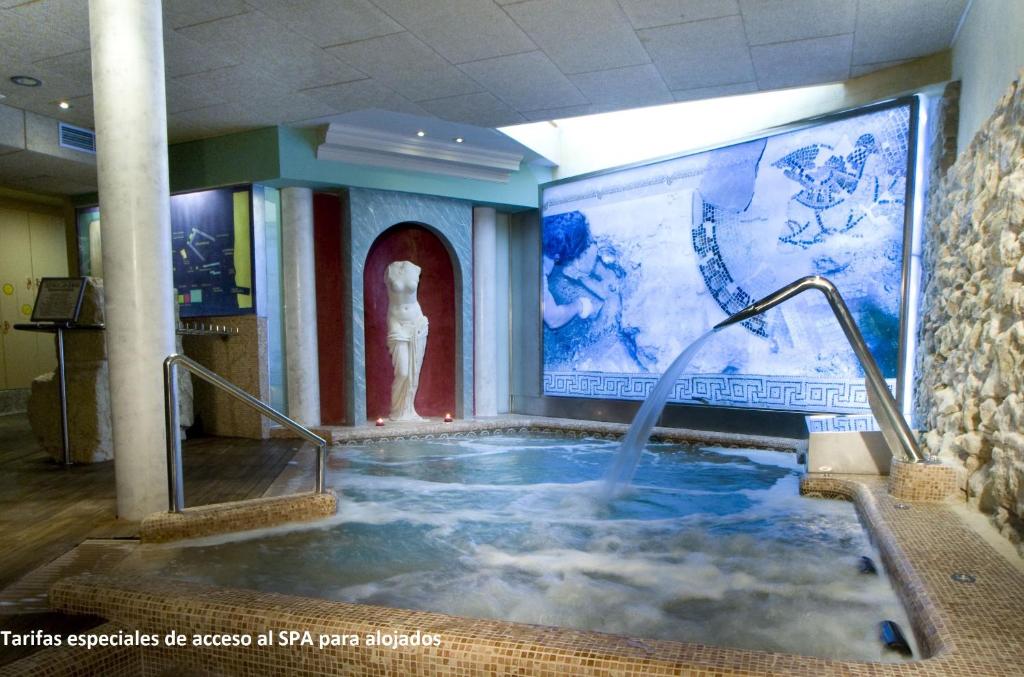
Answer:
(77, 138)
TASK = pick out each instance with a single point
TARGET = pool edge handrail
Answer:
(894, 426)
(175, 477)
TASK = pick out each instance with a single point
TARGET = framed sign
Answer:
(59, 299)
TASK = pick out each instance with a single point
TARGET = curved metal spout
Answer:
(894, 427)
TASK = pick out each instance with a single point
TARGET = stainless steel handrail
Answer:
(894, 427)
(175, 488)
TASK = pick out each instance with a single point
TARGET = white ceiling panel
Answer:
(653, 13)
(189, 93)
(701, 53)
(302, 68)
(56, 87)
(633, 86)
(184, 56)
(864, 69)
(330, 22)
(460, 30)
(888, 30)
(236, 116)
(235, 83)
(236, 64)
(70, 17)
(234, 36)
(180, 13)
(69, 73)
(525, 81)
(205, 122)
(482, 109)
(770, 21)
(369, 93)
(563, 112)
(789, 64)
(402, 62)
(258, 41)
(33, 40)
(80, 112)
(714, 92)
(580, 37)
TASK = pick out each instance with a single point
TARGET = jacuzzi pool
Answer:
(711, 545)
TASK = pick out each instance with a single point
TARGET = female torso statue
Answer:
(407, 337)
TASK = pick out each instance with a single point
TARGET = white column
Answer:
(131, 141)
(485, 303)
(299, 274)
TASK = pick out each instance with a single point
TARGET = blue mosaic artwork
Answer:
(639, 262)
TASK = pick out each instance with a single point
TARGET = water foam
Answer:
(709, 545)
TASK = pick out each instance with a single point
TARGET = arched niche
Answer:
(371, 212)
(437, 294)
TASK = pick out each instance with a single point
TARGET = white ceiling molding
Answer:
(365, 146)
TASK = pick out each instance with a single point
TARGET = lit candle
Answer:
(447, 418)
(380, 421)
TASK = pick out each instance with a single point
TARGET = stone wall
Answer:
(971, 357)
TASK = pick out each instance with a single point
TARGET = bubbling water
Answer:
(710, 545)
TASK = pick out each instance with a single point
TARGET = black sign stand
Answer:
(56, 310)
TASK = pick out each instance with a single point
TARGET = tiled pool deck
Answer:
(965, 628)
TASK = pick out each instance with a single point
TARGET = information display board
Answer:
(59, 299)
(211, 250)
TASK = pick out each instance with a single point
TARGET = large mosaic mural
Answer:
(639, 262)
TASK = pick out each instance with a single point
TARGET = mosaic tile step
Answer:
(223, 518)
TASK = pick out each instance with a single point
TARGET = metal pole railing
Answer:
(175, 483)
(894, 427)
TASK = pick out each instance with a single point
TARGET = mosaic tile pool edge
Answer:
(221, 518)
(919, 546)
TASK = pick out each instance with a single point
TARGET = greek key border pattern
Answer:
(858, 423)
(792, 393)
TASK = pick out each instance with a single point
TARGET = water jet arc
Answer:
(894, 427)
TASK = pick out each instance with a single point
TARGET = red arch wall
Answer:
(330, 305)
(411, 242)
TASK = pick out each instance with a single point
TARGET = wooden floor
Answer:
(47, 509)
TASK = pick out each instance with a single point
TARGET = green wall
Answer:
(245, 157)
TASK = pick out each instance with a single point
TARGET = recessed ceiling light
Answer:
(26, 81)
(459, 139)
(421, 133)
(64, 105)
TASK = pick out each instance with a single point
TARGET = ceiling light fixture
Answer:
(459, 139)
(64, 105)
(421, 133)
(26, 81)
